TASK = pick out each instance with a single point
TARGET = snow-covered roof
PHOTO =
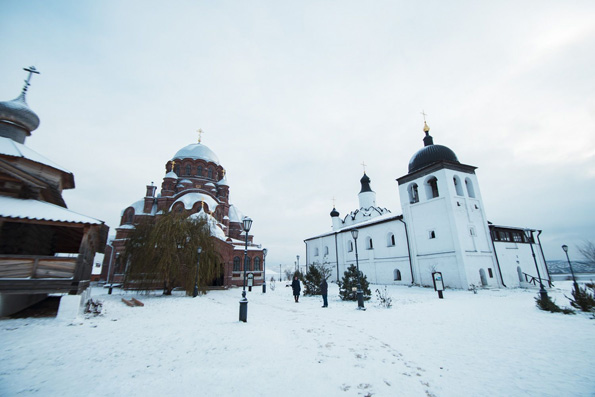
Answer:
(40, 210)
(9, 147)
(235, 215)
(189, 199)
(360, 225)
(213, 225)
(197, 151)
(171, 175)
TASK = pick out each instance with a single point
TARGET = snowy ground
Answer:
(494, 343)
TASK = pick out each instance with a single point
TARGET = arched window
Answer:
(326, 250)
(236, 264)
(248, 264)
(177, 169)
(390, 240)
(369, 244)
(199, 171)
(350, 246)
(129, 216)
(210, 173)
(397, 275)
(188, 170)
(432, 188)
(256, 264)
(458, 187)
(316, 251)
(470, 190)
(413, 194)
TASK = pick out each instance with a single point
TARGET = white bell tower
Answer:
(444, 212)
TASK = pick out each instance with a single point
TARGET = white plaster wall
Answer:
(512, 255)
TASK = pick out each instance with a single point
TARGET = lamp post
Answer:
(542, 291)
(565, 248)
(195, 293)
(360, 293)
(247, 224)
(298, 262)
(264, 271)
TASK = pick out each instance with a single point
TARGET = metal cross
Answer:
(31, 70)
(423, 114)
(364, 165)
(200, 132)
(334, 202)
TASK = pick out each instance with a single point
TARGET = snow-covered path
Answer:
(495, 343)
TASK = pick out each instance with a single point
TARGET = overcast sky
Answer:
(293, 96)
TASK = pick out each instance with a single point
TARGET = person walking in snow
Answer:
(324, 291)
(295, 285)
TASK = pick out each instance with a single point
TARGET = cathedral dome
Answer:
(431, 153)
(18, 112)
(197, 151)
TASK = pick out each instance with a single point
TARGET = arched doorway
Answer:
(484, 280)
(520, 273)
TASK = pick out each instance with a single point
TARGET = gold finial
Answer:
(202, 205)
(200, 132)
(364, 165)
(173, 164)
(426, 128)
(223, 172)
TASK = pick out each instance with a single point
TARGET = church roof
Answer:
(197, 151)
(189, 199)
(379, 219)
(430, 153)
(16, 208)
(8, 147)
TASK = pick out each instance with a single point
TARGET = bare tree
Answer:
(587, 250)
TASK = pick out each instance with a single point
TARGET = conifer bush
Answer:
(349, 282)
(582, 298)
(547, 304)
(313, 279)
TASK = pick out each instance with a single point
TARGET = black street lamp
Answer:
(565, 248)
(195, 293)
(298, 262)
(542, 291)
(360, 293)
(264, 271)
(247, 224)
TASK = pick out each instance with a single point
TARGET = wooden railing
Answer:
(36, 267)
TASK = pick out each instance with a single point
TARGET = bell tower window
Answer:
(413, 194)
(432, 188)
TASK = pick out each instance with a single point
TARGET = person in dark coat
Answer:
(324, 291)
(295, 285)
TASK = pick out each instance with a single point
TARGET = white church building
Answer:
(443, 228)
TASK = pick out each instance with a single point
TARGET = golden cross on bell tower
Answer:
(423, 114)
(364, 165)
(200, 132)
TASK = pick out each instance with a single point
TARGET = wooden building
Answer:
(44, 247)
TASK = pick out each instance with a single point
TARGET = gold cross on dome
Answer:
(423, 114)
(364, 165)
(200, 132)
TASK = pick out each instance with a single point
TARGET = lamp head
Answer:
(354, 233)
(247, 224)
(199, 250)
(565, 248)
(264, 251)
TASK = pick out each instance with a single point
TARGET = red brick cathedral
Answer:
(194, 184)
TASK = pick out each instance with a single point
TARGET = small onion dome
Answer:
(171, 175)
(334, 213)
(431, 153)
(223, 181)
(365, 181)
(197, 151)
(18, 112)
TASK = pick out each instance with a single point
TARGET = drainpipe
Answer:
(496, 255)
(109, 268)
(337, 256)
(408, 249)
(543, 257)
